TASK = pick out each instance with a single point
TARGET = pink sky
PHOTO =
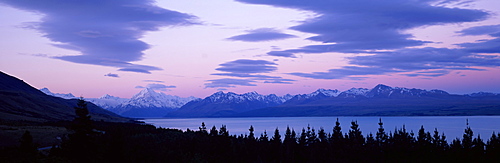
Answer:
(195, 48)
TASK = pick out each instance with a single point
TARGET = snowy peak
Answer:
(149, 98)
(353, 92)
(108, 97)
(386, 91)
(326, 92)
(231, 97)
(146, 93)
(61, 95)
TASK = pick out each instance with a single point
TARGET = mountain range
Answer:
(222, 104)
(146, 103)
(382, 100)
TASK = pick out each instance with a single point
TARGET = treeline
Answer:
(115, 142)
(127, 142)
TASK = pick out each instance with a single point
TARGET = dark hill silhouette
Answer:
(21, 102)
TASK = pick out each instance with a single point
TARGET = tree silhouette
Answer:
(27, 148)
(80, 144)
(251, 136)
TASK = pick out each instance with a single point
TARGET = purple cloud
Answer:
(248, 66)
(344, 72)
(156, 86)
(106, 32)
(228, 82)
(154, 81)
(493, 30)
(248, 71)
(112, 75)
(360, 25)
(430, 62)
(262, 34)
(484, 46)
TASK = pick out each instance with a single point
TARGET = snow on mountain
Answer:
(107, 101)
(61, 95)
(225, 104)
(355, 92)
(386, 91)
(231, 97)
(326, 92)
(149, 98)
(146, 102)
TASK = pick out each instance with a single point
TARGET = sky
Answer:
(198, 47)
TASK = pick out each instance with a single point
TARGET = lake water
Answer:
(451, 126)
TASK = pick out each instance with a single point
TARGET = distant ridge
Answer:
(382, 100)
(21, 102)
(222, 104)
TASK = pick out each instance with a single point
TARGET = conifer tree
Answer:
(82, 124)
(478, 145)
(27, 147)
(223, 131)
(493, 147)
(213, 131)
(467, 137)
(337, 133)
(423, 138)
(322, 135)
(355, 135)
(288, 134)
(276, 137)
(439, 142)
(263, 137)
(203, 128)
(79, 146)
(381, 136)
(303, 138)
(251, 136)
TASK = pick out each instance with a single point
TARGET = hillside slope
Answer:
(21, 102)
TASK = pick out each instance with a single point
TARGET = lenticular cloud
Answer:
(105, 32)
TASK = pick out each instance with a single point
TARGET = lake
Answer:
(451, 126)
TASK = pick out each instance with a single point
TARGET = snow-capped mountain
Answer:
(225, 104)
(61, 95)
(397, 92)
(146, 103)
(379, 100)
(383, 100)
(316, 95)
(353, 92)
(149, 98)
(326, 92)
(107, 101)
(230, 97)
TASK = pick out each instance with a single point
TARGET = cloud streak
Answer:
(112, 75)
(365, 25)
(246, 72)
(156, 86)
(106, 32)
(429, 62)
(262, 34)
(228, 83)
(484, 46)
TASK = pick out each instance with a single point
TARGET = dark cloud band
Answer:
(106, 32)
